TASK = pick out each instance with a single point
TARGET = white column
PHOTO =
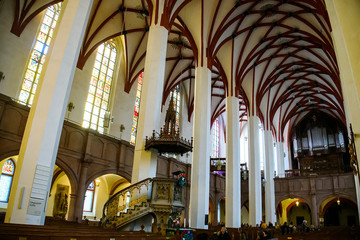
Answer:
(200, 169)
(233, 176)
(150, 105)
(269, 177)
(27, 205)
(357, 188)
(280, 159)
(255, 201)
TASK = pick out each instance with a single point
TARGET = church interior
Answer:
(163, 116)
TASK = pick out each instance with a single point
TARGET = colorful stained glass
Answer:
(50, 13)
(106, 97)
(136, 110)
(95, 74)
(38, 55)
(110, 72)
(6, 177)
(107, 88)
(44, 28)
(47, 20)
(176, 95)
(30, 75)
(92, 89)
(8, 167)
(23, 97)
(33, 90)
(88, 107)
(97, 87)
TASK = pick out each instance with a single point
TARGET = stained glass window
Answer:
(97, 103)
(176, 94)
(89, 197)
(38, 55)
(215, 139)
(136, 110)
(6, 178)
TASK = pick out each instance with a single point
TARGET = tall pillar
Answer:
(269, 177)
(72, 205)
(32, 180)
(346, 46)
(280, 159)
(357, 189)
(150, 105)
(255, 201)
(314, 211)
(200, 170)
(79, 205)
(233, 176)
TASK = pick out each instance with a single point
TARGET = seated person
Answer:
(223, 234)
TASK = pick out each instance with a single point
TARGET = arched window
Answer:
(89, 198)
(215, 139)
(176, 94)
(38, 55)
(97, 102)
(6, 178)
(136, 110)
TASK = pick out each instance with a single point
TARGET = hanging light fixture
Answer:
(338, 201)
(297, 203)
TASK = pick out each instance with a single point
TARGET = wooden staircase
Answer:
(158, 196)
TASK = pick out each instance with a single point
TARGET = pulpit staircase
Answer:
(157, 196)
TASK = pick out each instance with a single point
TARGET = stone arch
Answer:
(327, 196)
(305, 198)
(7, 154)
(95, 175)
(69, 171)
(116, 185)
(341, 199)
(338, 210)
(287, 212)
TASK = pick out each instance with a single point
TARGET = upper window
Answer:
(176, 95)
(215, 139)
(136, 110)
(89, 197)
(97, 103)
(6, 178)
(38, 55)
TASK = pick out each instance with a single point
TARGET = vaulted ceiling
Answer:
(276, 56)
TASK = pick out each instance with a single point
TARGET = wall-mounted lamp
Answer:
(122, 128)
(297, 203)
(2, 76)
(97, 182)
(108, 119)
(70, 106)
(338, 201)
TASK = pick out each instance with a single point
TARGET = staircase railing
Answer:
(130, 196)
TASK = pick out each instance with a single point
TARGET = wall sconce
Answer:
(108, 119)
(122, 128)
(2, 76)
(338, 201)
(70, 106)
(297, 203)
(97, 182)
